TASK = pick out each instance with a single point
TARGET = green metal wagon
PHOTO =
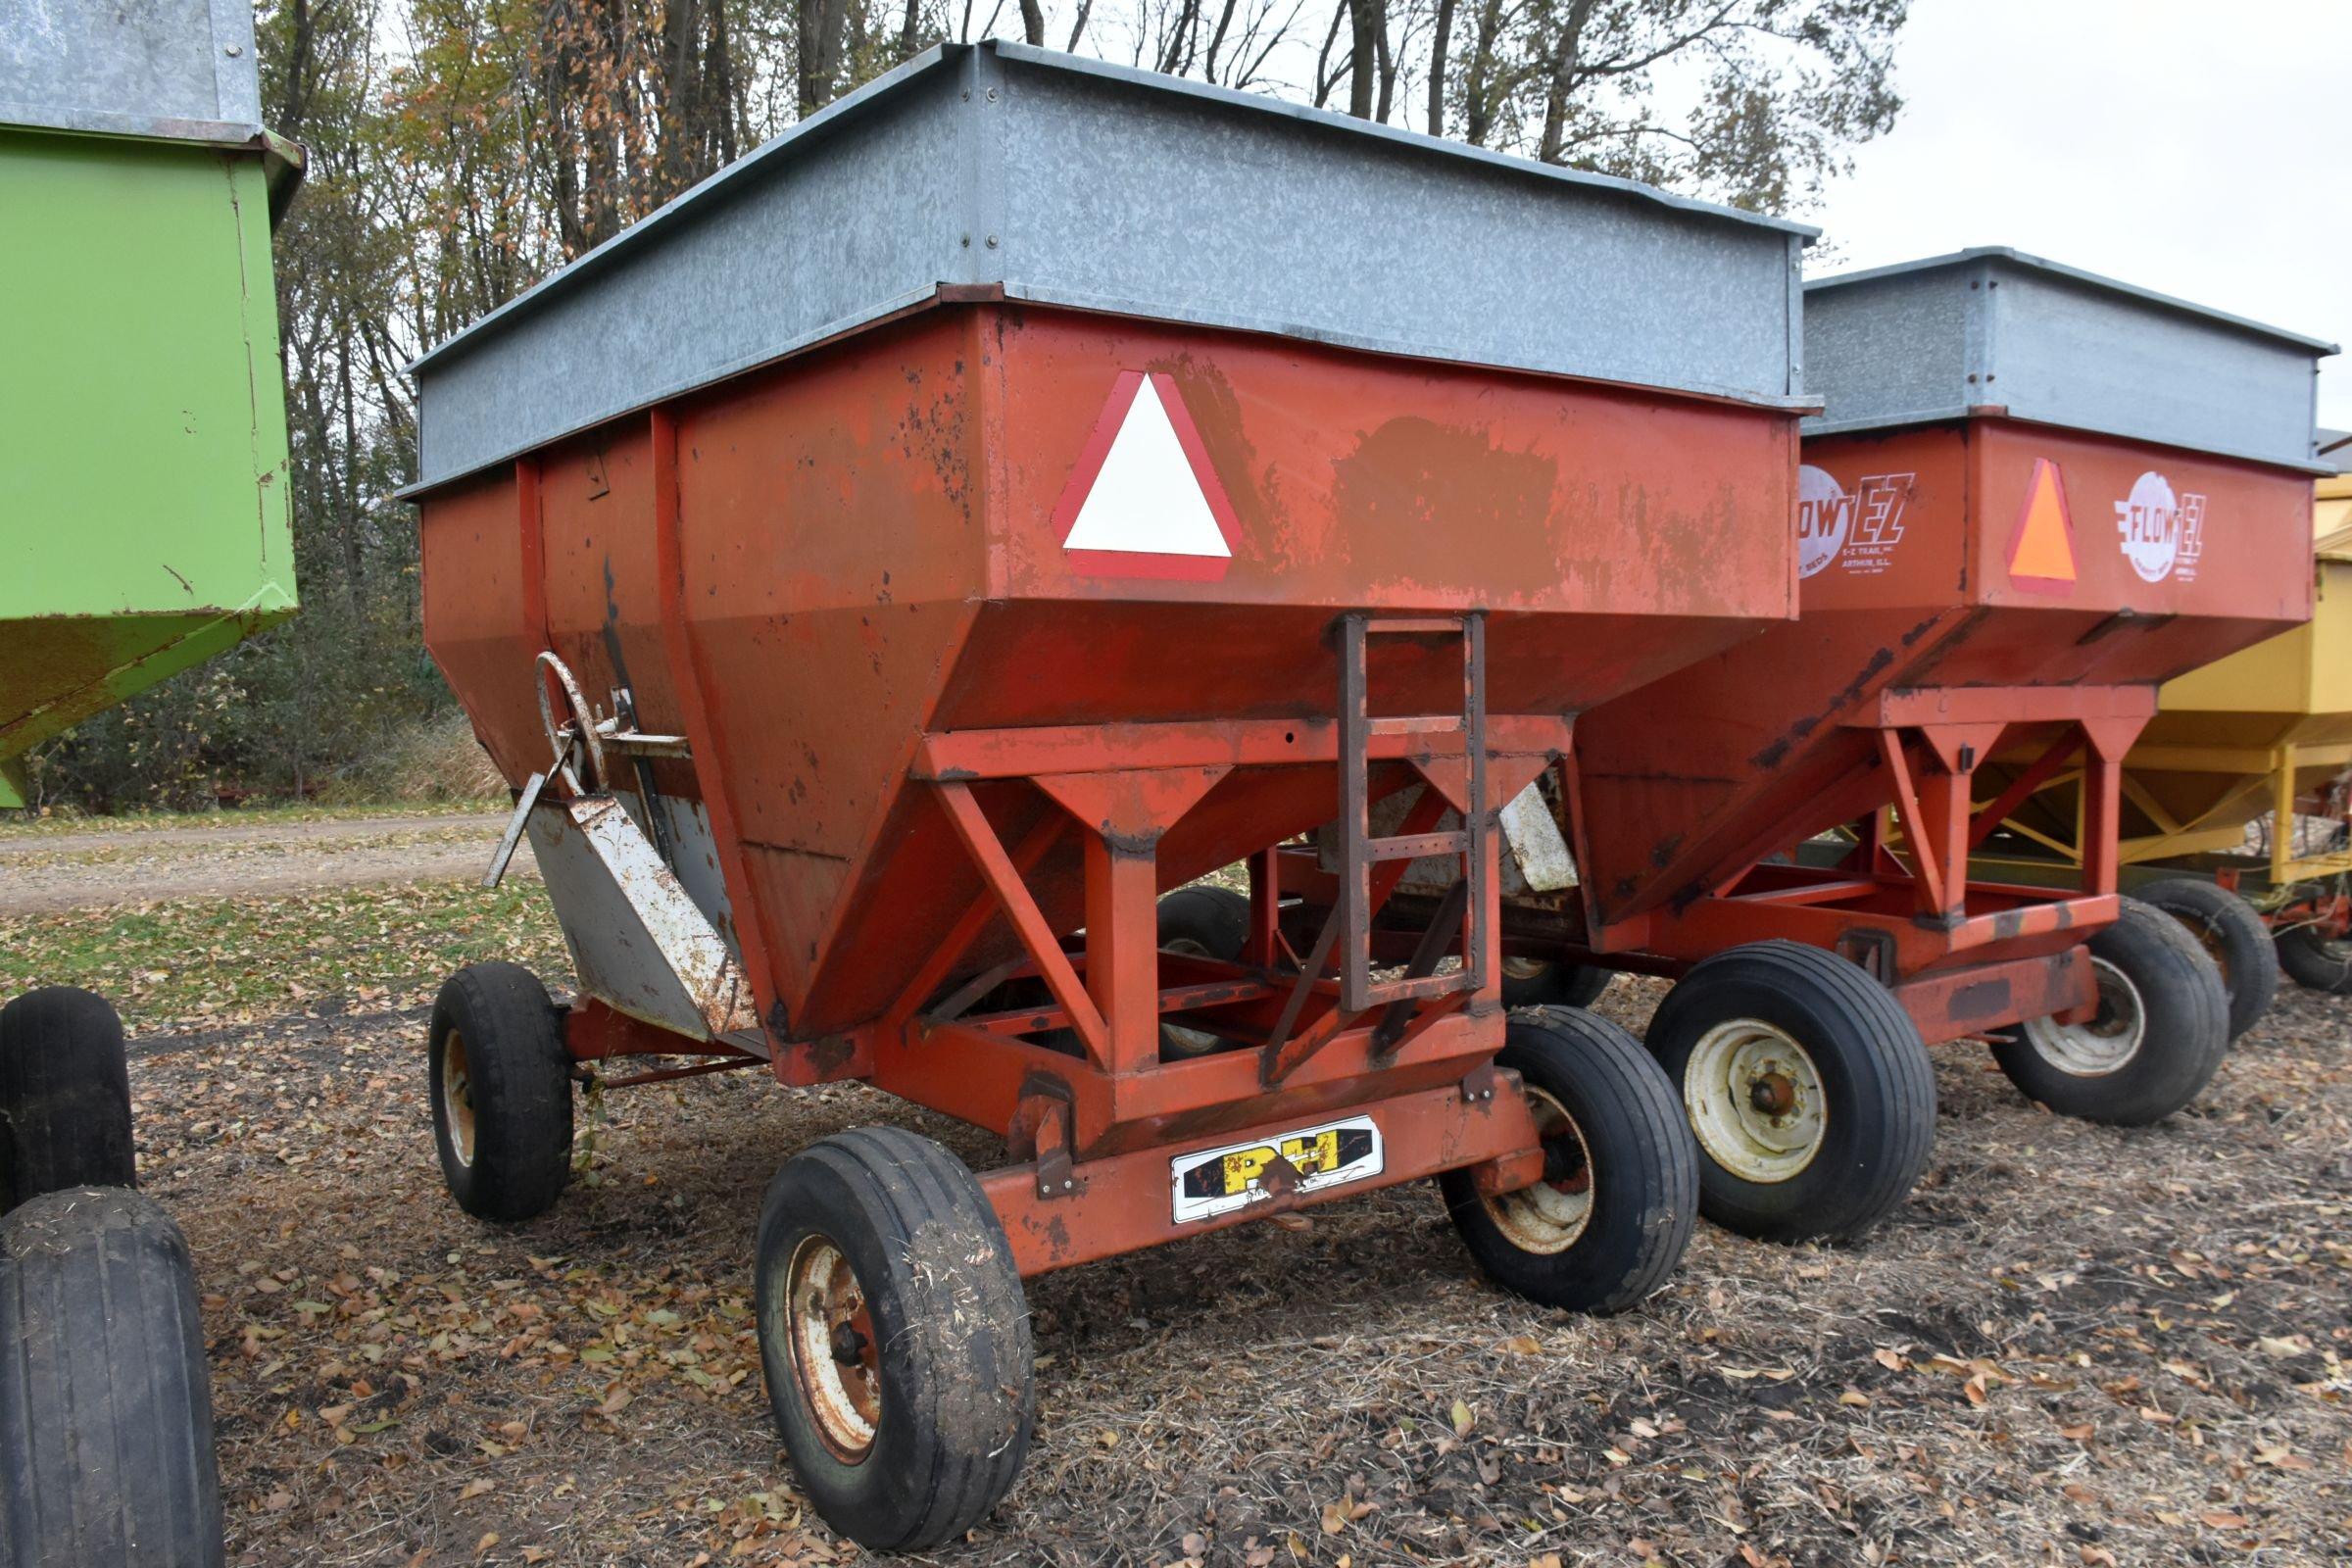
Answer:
(143, 523)
(143, 528)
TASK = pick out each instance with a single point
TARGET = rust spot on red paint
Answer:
(1451, 482)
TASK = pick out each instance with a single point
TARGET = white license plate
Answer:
(1209, 1182)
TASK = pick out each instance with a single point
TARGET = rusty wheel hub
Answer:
(1774, 1094)
(1755, 1101)
(834, 1357)
(1549, 1216)
(457, 1097)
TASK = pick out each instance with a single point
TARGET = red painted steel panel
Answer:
(1746, 753)
(869, 549)
(474, 626)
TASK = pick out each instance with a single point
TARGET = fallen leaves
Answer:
(1269, 1399)
(1338, 1515)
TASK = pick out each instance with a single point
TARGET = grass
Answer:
(66, 825)
(229, 960)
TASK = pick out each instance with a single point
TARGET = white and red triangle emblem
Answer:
(1144, 500)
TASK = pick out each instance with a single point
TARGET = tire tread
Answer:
(65, 1095)
(1898, 1096)
(2253, 977)
(522, 1091)
(106, 1453)
(2188, 1022)
(917, 1196)
(1633, 1115)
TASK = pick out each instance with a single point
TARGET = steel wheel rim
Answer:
(2104, 1045)
(1188, 1042)
(457, 1097)
(1755, 1101)
(836, 1361)
(1551, 1215)
(1524, 968)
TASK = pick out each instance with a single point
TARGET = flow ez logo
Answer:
(1823, 515)
(1860, 528)
(2163, 534)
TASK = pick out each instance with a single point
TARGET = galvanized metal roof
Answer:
(2043, 264)
(1990, 326)
(179, 69)
(1071, 182)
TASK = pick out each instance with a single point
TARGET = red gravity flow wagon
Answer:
(2032, 497)
(1026, 487)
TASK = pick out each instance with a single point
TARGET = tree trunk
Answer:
(1566, 52)
(1033, 23)
(302, 64)
(1325, 76)
(1368, 22)
(820, 24)
(1441, 36)
(1216, 42)
(680, 133)
(1478, 91)
(355, 553)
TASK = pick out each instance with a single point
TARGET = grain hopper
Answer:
(2233, 807)
(1025, 487)
(2032, 496)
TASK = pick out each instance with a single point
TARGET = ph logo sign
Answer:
(2163, 534)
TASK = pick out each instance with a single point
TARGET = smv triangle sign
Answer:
(1144, 500)
(2042, 552)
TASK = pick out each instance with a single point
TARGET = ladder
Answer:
(1360, 852)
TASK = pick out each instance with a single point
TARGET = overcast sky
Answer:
(2202, 150)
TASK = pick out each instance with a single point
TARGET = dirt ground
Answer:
(2075, 1346)
(90, 867)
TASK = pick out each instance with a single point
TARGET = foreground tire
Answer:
(1807, 1087)
(2314, 961)
(502, 1092)
(106, 1453)
(1620, 1191)
(2232, 935)
(894, 1338)
(65, 1095)
(1205, 922)
(2162, 1029)
(1551, 983)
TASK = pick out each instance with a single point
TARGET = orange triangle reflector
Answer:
(2042, 553)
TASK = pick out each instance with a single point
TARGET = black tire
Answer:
(2314, 961)
(1615, 1140)
(106, 1453)
(501, 1092)
(1214, 924)
(2231, 934)
(1553, 983)
(945, 1356)
(2162, 1029)
(65, 1095)
(1855, 1115)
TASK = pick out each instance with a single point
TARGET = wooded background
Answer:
(462, 149)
